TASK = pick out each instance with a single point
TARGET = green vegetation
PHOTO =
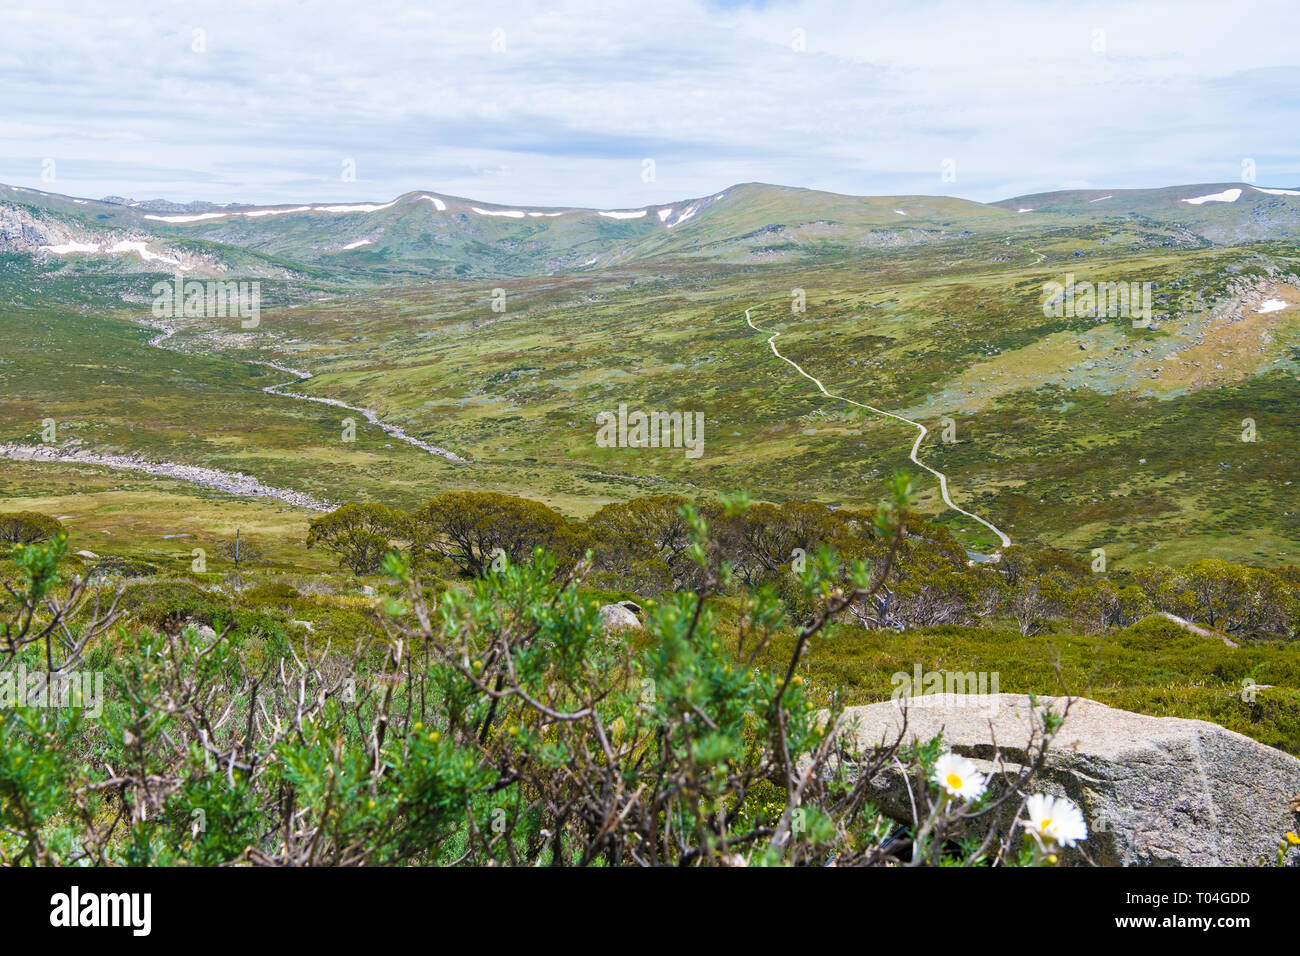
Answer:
(489, 716)
(1073, 432)
(25, 527)
(424, 674)
(491, 723)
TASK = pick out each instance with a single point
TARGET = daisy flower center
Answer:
(954, 781)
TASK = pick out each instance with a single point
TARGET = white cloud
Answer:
(584, 91)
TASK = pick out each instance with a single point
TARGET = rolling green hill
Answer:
(429, 234)
(1076, 431)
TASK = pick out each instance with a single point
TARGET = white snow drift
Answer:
(195, 218)
(258, 213)
(125, 245)
(684, 216)
(360, 207)
(141, 248)
(1228, 195)
(67, 247)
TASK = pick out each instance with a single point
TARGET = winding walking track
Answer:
(231, 482)
(370, 415)
(922, 431)
(244, 485)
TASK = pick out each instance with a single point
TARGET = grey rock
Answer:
(617, 617)
(204, 632)
(1154, 790)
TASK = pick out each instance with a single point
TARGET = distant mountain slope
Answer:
(1224, 213)
(432, 234)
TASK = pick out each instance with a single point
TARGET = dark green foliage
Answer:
(359, 534)
(511, 728)
(473, 529)
(26, 527)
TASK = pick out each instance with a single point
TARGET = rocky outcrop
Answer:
(39, 233)
(21, 230)
(1154, 790)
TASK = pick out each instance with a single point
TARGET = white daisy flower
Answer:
(958, 777)
(1055, 820)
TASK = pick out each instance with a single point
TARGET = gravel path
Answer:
(166, 332)
(232, 482)
(916, 445)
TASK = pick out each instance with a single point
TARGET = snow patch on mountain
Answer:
(70, 247)
(690, 211)
(141, 248)
(1228, 195)
(259, 213)
(274, 212)
(359, 207)
(195, 218)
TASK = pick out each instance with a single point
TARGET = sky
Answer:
(612, 104)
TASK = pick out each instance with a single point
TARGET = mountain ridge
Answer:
(206, 206)
(425, 233)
